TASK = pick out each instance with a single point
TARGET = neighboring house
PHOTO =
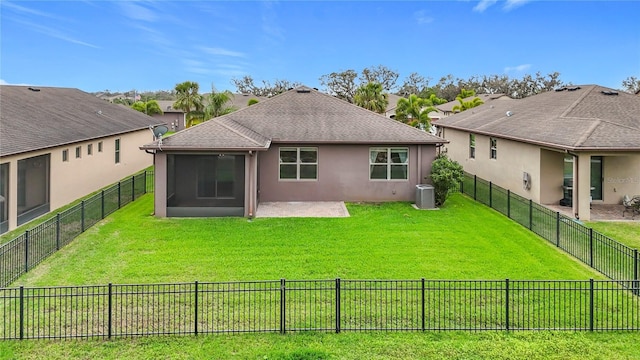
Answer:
(301, 145)
(176, 119)
(59, 144)
(446, 109)
(574, 146)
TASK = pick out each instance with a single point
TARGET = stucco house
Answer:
(577, 144)
(60, 144)
(301, 145)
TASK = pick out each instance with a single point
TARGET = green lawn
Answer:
(464, 240)
(627, 233)
(312, 346)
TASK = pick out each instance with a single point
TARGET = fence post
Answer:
(21, 312)
(423, 306)
(58, 231)
(591, 305)
(558, 228)
(530, 214)
(591, 247)
(195, 315)
(119, 195)
(133, 188)
(475, 186)
(337, 305)
(462, 185)
(144, 182)
(283, 299)
(506, 301)
(509, 203)
(82, 216)
(109, 316)
(490, 194)
(636, 284)
(26, 251)
(102, 205)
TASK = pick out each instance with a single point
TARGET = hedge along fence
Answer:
(613, 259)
(338, 305)
(24, 252)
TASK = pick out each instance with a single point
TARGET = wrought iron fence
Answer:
(27, 250)
(338, 305)
(611, 258)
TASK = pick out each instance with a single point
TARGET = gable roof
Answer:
(44, 117)
(448, 107)
(588, 117)
(301, 115)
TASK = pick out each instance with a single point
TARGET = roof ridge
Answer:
(578, 100)
(239, 133)
(587, 133)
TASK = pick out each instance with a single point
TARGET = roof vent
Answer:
(34, 89)
(303, 91)
(561, 89)
(610, 92)
(509, 113)
(573, 88)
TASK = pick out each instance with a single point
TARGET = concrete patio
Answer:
(302, 209)
(599, 212)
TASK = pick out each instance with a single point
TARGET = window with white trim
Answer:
(472, 146)
(388, 163)
(493, 142)
(298, 163)
(117, 151)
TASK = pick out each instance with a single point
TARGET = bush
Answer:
(445, 174)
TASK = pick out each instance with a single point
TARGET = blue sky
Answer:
(153, 45)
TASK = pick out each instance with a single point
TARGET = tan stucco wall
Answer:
(621, 177)
(343, 174)
(78, 177)
(513, 159)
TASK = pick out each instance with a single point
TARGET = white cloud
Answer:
(512, 4)
(55, 33)
(222, 52)
(519, 68)
(483, 5)
(422, 17)
(136, 12)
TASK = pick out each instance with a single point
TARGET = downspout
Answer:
(575, 195)
(251, 191)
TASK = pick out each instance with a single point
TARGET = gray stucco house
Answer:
(301, 145)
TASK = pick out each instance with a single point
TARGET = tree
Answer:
(414, 111)
(341, 85)
(466, 105)
(189, 100)
(371, 97)
(380, 74)
(218, 103)
(631, 84)
(252, 102)
(246, 85)
(150, 107)
(413, 84)
(446, 174)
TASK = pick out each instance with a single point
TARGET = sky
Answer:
(154, 45)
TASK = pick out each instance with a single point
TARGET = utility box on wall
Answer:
(425, 197)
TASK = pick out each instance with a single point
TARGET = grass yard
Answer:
(627, 233)
(464, 240)
(315, 346)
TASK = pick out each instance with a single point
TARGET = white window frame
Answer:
(389, 163)
(298, 162)
(493, 148)
(117, 154)
(472, 146)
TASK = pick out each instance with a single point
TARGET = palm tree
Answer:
(465, 105)
(189, 101)
(371, 97)
(217, 103)
(415, 111)
(150, 107)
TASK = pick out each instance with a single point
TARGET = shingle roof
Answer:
(448, 107)
(32, 120)
(576, 118)
(300, 115)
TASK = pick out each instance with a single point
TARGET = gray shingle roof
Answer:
(584, 118)
(448, 107)
(32, 120)
(301, 115)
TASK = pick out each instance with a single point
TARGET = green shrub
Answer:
(445, 174)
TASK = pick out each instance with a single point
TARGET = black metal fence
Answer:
(338, 305)
(613, 259)
(27, 250)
